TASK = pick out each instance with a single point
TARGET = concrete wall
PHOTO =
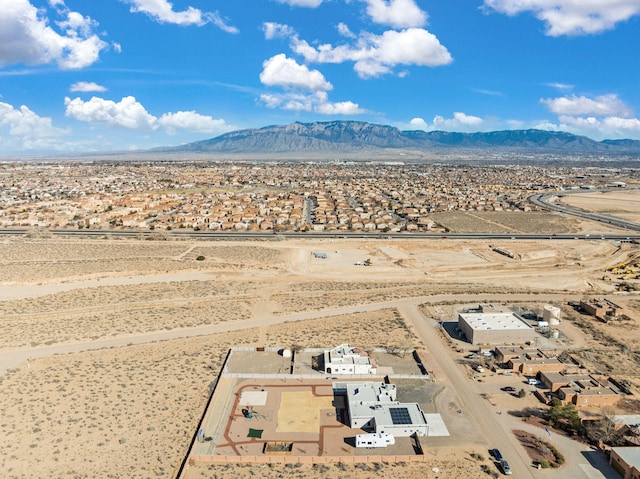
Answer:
(278, 459)
(340, 368)
(502, 337)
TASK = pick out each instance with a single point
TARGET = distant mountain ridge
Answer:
(349, 136)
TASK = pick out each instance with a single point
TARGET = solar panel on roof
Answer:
(400, 415)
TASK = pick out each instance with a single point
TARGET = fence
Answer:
(271, 459)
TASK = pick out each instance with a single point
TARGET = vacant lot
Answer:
(505, 222)
(129, 412)
(619, 203)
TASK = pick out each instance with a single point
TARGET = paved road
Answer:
(235, 235)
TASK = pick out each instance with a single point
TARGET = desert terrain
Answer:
(618, 203)
(110, 346)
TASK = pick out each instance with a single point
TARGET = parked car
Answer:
(509, 389)
(472, 356)
(496, 454)
(533, 381)
(505, 467)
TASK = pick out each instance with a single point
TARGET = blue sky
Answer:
(78, 75)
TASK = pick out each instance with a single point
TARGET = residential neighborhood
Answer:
(270, 196)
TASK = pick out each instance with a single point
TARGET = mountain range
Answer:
(356, 136)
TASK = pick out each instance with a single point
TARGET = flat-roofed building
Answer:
(481, 327)
(345, 359)
(581, 389)
(533, 366)
(505, 353)
(554, 380)
(601, 308)
(626, 460)
(372, 407)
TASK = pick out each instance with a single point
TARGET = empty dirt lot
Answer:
(70, 415)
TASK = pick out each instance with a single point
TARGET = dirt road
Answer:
(468, 395)
(14, 357)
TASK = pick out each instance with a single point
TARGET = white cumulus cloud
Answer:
(325, 107)
(603, 105)
(277, 30)
(460, 122)
(571, 17)
(597, 128)
(129, 113)
(163, 12)
(85, 86)
(286, 72)
(288, 101)
(396, 13)
(623, 124)
(192, 121)
(418, 124)
(27, 36)
(317, 102)
(376, 55)
(604, 116)
(305, 89)
(345, 31)
(27, 130)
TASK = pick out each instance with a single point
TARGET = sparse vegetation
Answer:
(489, 470)
(139, 403)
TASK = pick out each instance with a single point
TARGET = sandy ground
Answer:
(623, 204)
(229, 286)
(70, 415)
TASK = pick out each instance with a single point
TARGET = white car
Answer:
(505, 467)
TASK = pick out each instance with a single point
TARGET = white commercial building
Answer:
(346, 359)
(494, 327)
(373, 407)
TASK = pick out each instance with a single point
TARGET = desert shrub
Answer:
(559, 458)
(200, 258)
(544, 464)
(487, 470)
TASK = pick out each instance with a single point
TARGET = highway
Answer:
(541, 200)
(241, 235)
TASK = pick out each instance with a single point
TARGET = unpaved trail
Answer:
(13, 357)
